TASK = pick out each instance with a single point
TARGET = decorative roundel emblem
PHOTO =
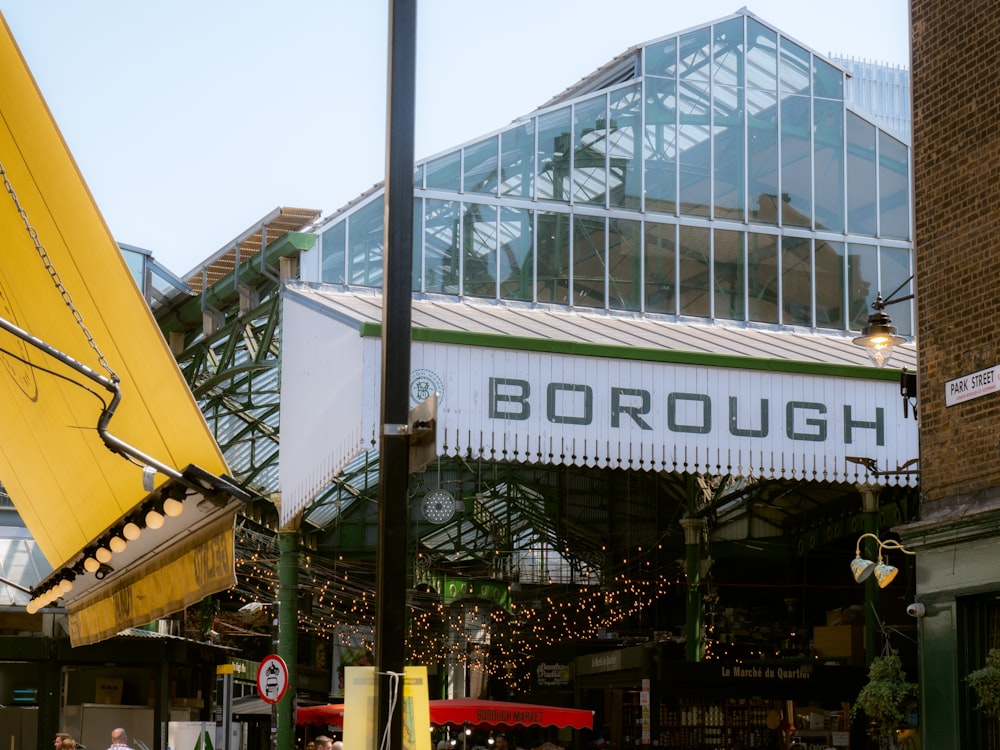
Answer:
(438, 506)
(422, 384)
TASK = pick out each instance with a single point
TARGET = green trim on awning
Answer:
(635, 353)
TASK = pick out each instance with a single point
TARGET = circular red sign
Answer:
(272, 679)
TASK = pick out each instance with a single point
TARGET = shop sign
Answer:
(972, 386)
(768, 672)
(552, 674)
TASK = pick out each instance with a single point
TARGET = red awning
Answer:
(332, 713)
(502, 715)
(482, 714)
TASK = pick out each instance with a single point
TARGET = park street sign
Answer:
(972, 386)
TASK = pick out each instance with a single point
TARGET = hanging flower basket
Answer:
(986, 683)
(887, 699)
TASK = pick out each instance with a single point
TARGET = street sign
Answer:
(272, 679)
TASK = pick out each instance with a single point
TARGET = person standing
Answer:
(119, 740)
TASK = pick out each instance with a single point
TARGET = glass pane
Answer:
(727, 132)
(762, 277)
(479, 238)
(695, 272)
(443, 173)
(517, 160)
(794, 69)
(762, 156)
(624, 264)
(418, 176)
(481, 167)
(861, 202)
(334, 254)
(588, 261)
(365, 231)
(893, 188)
(830, 285)
(590, 143)
(660, 146)
(660, 248)
(828, 140)
(441, 258)
(661, 58)
(796, 178)
(694, 56)
(553, 155)
(796, 281)
(516, 268)
(730, 275)
(553, 258)
(728, 53)
(896, 281)
(862, 280)
(624, 184)
(762, 57)
(694, 143)
(828, 81)
(416, 270)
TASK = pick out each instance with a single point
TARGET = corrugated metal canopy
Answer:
(556, 323)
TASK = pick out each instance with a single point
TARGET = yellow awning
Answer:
(64, 282)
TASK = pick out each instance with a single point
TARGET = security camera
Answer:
(916, 610)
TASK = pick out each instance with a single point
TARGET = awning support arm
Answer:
(115, 445)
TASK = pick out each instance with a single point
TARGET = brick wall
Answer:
(956, 161)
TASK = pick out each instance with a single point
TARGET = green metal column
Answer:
(288, 632)
(869, 520)
(695, 644)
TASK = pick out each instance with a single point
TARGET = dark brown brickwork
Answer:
(955, 69)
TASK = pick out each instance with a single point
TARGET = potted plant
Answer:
(887, 699)
(986, 683)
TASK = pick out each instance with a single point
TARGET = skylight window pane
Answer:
(796, 169)
(730, 275)
(660, 251)
(441, 259)
(828, 81)
(624, 259)
(695, 272)
(364, 242)
(861, 200)
(862, 277)
(893, 188)
(332, 270)
(695, 158)
(589, 262)
(661, 58)
(762, 277)
(624, 176)
(553, 258)
(660, 146)
(553, 155)
(727, 64)
(796, 281)
(794, 70)
(590, 143)
(828, 139)
(830, 284)
(517, 160)
(444, 172)
(762, 57)
(479, 267)
(515, 256)
(694, 56)
(480, 165)
(762, 156)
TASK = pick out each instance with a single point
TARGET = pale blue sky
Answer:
(191, 119)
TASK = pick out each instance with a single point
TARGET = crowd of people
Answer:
(65, 741)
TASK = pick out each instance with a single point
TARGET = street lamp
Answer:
(879, 334)
(862, 568)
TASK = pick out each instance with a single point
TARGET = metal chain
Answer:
(54, 275)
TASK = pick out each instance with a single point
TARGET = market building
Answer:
(657, 443)
(636, 305)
